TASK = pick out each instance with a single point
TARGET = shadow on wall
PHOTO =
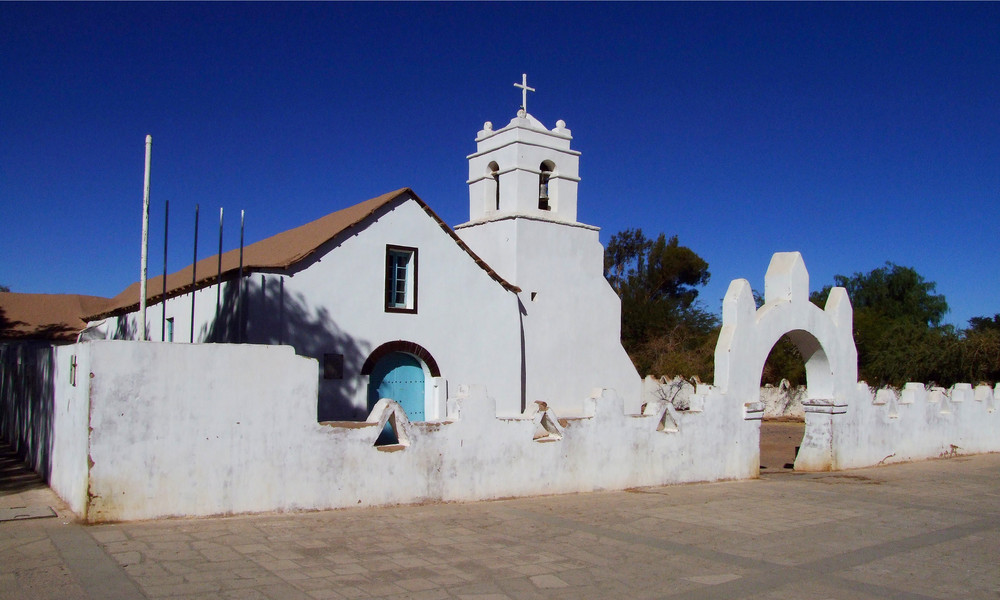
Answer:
(26, 402)
(6, 324)
(52, 331)
(271, 315)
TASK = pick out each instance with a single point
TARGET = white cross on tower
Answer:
(524, 91)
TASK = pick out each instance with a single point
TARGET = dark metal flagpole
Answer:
(163, 297)
(194, 268)
(218, 278)
(239, 298)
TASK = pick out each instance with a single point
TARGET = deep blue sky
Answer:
(856, 134)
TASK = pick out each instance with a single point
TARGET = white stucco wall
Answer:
(847, 425)
(465, 319)
(916, 423)
(70, 435)
(572, 317)
(178, 429)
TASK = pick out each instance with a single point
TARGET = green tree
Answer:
(897, 327)
(4, 288)
(664, 329)
(981, 350)
(891, 291)
(984, 324)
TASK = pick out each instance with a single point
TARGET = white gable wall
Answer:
(465, 319)
(335, 304)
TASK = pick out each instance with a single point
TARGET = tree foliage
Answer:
(981, 350)
(899, 335)
(4, 288)
(664, 329)
(892, 292)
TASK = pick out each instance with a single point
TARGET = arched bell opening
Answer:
(545, 173)
(491, 196)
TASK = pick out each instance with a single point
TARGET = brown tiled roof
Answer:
(52, 317)
(277, 252)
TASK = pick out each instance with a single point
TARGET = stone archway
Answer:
(401, 346)
(824, 337)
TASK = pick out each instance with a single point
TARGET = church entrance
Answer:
(398, 376)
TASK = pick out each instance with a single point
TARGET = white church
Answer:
(394, 303)
(491, 351)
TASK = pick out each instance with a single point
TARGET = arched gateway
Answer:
(824, 337)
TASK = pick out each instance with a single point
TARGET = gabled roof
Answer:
(51, 317)
(278, 252)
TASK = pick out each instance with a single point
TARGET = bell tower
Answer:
(523, 183)
(523, 169)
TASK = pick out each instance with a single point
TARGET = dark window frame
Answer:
(412, 276)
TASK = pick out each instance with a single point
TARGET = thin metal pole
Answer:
(239, 297)
(163, 298)
(194, 268)
(218, 278)
(145, 240)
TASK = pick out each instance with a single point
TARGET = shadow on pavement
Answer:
(15, 477)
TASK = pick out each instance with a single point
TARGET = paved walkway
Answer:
(914, 531)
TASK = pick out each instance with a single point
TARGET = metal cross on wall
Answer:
(524, 91)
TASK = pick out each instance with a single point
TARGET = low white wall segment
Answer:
(916, 423)
(70, 422)
(179, 429)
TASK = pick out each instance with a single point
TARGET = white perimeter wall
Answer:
(70, 422)
(915, 423)
(153, 429)
(177, 429)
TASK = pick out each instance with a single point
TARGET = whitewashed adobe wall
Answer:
(782, 401)
(916, 423)
(178, 429)
(152, 429)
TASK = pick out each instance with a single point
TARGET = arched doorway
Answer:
(398, 376)
(783, 394)
(392, 371)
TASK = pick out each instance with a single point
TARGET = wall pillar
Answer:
(816, 451)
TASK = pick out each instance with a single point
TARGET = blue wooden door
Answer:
(398, 376)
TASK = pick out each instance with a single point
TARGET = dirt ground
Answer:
(778, 442)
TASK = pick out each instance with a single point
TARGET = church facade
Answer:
(394, 303)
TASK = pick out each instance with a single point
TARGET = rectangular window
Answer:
(170, 329)
(400, 279)
(333, 366)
